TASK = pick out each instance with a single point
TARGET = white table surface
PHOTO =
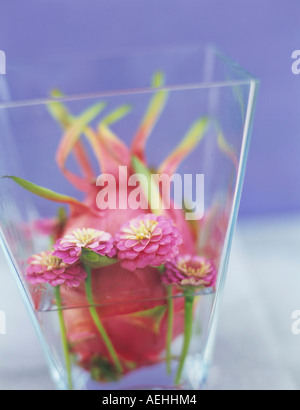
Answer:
(255, 347)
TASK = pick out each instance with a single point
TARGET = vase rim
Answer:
(162, 59)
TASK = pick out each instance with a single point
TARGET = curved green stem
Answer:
(97, 321)
(63, 333)
(188, 327)
(169, 327)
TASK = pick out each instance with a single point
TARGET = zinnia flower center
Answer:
(84, 236)
(144, 230)
(46, 259)
(194, 268)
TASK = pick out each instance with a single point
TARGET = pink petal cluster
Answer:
(69, 247)
(147, 240)
(46, 268)
(190, 270)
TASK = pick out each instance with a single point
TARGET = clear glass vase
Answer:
(83, 145)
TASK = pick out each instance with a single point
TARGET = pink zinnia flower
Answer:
(190, 270)
(147, 240)
(46, 268)
(69, 247)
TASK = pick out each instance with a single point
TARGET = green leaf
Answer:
(75, 130)
(150, 318)
(116, 115)
(94, 260)
(158, 79)
(155, 108)
(44, 192)
(103, 370)
(161, 268)
(56, 93)
(192, 138)
(62, 216)
(150, 189)
(59, 111)
(226, 148)
(61, 114)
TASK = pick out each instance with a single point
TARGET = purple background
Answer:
(260, 35)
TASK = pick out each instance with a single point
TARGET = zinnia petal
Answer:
(189, 270)
(47, 268)
(147, 240)
(69, 247)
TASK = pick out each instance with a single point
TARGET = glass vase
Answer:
(150, 151)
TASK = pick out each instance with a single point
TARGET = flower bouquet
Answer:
(124, 283)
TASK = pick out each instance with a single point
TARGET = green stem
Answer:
(63, 333)
(170, 327)
(97, 321)
(188, 327)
